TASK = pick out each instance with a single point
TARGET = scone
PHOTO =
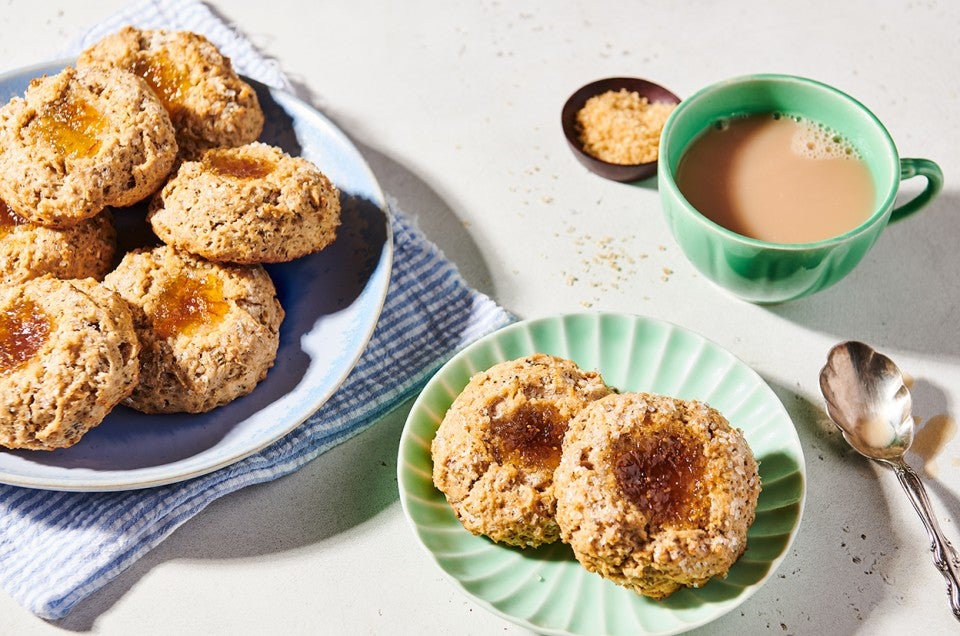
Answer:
(82, 140)
(28, 250)
(208, 332)
(251, 204)
(208, 102)
(68, 355)
(655, 493)
(497, 447)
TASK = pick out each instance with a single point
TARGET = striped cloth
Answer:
(56, 548)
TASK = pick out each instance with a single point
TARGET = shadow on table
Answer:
(844, 525)
(338, 491)
(331, 495)
(434, 212)
(926, 454)
(903, 294)
(843, 498)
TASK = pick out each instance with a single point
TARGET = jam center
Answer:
(168, 82)
(661, 475)
(240, 167)
(187, 303)
(24, 327)
(531, 435)
(72, 126)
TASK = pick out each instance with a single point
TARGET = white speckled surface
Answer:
(456, 107)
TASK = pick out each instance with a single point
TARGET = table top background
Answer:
(456, 107)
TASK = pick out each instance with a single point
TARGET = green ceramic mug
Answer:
(761, 271)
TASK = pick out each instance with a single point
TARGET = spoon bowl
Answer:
(868, 401)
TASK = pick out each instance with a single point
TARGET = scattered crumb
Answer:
(607, 263)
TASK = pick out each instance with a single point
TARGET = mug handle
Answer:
(910, 168)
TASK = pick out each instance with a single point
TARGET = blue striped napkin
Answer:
(56, 548)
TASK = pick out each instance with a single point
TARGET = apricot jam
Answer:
(72, 126)
(9, 219)
(169, 83)
(24, 327)
(661, 475)
(531, 436)
(238, 167)
(187, 303)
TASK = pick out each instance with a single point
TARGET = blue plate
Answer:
(332, 301)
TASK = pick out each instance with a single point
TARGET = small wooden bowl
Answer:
(568, 119)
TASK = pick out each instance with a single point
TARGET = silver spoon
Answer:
(867, 400)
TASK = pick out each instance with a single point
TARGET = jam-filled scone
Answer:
(82, 140)
(209, 332)
(28, 250)
(497, 447)
(210, 105)
(655, 493)
(250, 204)
(68, 355)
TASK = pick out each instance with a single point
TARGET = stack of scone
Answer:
(160, 119)
(651, 492)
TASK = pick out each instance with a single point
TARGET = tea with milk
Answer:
(777, 178)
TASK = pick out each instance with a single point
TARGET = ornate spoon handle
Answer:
(944, 555)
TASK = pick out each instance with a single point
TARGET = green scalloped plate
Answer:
(545, 589)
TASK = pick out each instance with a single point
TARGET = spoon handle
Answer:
(944, 555)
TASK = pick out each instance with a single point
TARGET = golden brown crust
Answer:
(206, 209)
(218, 356)
(496, 449)
(208, 102)
(631, 540)
(86, 364)
(28, 250)
(82, 140)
